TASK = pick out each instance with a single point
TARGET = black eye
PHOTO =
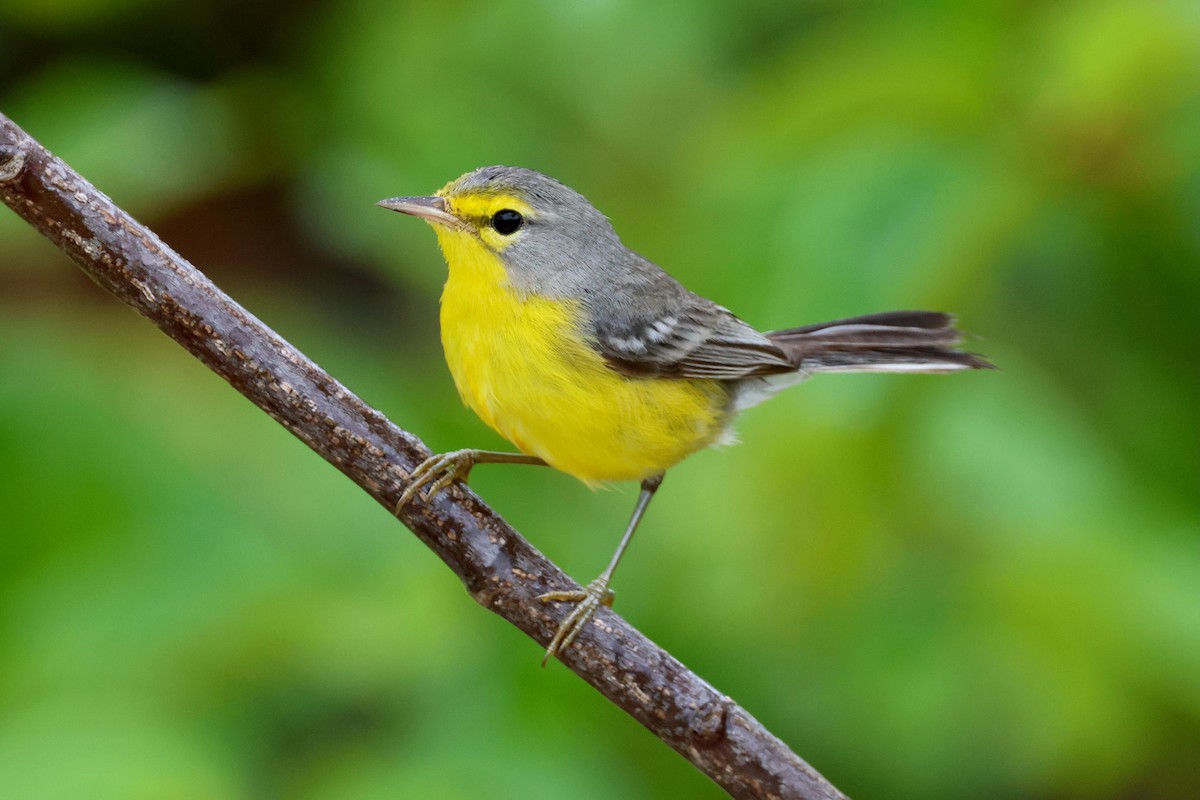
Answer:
(506, 221)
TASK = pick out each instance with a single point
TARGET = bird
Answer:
(593, 360)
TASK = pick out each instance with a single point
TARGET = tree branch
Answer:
(501, 571)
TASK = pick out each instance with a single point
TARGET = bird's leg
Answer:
(589, 599)
(441, 470)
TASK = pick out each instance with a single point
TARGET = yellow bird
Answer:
(593, 360)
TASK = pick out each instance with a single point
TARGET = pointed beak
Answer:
(430, 209)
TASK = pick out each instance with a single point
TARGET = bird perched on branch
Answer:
(593, 360)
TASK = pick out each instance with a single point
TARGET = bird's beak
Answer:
(430, 209)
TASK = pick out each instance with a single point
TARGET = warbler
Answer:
(593, 360)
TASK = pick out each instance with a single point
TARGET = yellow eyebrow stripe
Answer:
(479, 205)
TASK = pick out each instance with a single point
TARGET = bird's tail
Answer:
(894, 341)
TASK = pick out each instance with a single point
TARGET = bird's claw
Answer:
(437, 472)
(587, 602)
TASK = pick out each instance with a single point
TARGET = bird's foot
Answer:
(587, 602)
(437, 472)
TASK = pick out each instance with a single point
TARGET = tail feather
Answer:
(893, 341)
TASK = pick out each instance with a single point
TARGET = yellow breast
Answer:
(522, 364)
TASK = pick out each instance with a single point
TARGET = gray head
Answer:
(548, 236)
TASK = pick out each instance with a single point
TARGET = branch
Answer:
(500, 570)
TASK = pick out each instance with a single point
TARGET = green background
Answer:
(982, 585)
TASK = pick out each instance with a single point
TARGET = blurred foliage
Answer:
(977, 586)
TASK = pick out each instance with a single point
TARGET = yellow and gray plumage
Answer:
(592, 359)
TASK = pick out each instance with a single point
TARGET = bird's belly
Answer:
(521, 365)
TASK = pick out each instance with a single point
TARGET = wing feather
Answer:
(694, 340)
